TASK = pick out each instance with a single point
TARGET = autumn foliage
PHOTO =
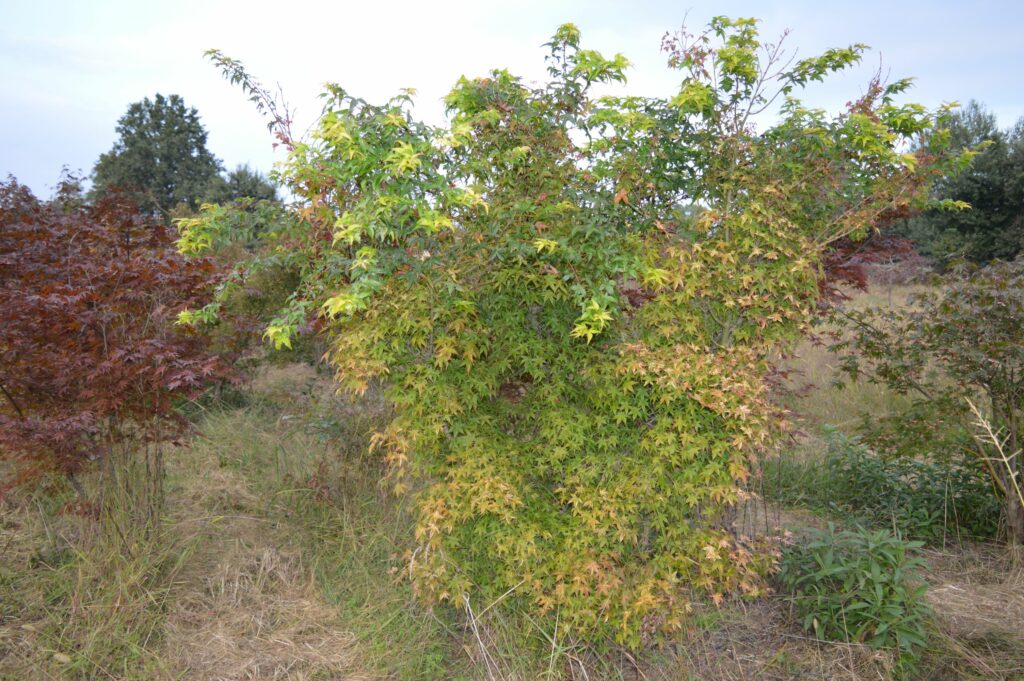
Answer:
(89, 355)
(572, 303)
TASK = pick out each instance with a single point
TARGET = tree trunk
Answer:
(1014, 519)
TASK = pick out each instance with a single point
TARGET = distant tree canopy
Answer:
(160, 156)
(241, 183)
(993, 185)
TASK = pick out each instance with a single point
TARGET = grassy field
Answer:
(278, 555)
(815, 369)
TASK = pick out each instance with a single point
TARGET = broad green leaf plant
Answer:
(571, 300)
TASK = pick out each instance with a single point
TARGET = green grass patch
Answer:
(311, 465)
(930, 501)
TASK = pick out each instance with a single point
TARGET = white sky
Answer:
(68, 70)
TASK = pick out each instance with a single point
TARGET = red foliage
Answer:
(847, 263)
(89, 354)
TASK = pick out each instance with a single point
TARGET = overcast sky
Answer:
(68, 70)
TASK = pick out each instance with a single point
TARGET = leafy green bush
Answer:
(953, 346)
(572, 301)
(929, 429)
(921, 499)
(857, 586)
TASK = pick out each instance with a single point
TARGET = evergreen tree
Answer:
(241, 183)
(160, 156)
(993, 185)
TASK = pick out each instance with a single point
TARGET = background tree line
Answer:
(160, 158)
(993, 186)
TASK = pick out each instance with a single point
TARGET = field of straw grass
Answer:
(278, 555)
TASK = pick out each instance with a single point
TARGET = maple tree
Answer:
(89, 355)
(572, 301)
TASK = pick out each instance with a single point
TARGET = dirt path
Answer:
(244, 605)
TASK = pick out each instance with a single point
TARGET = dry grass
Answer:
(244, 606)
(300, 452)
(275, 562)
(978, 591)
(256, 616)
(216, 590)
(762, 641)
(816, 370)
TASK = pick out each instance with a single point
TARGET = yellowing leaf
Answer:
(403, 158)
(545, 245)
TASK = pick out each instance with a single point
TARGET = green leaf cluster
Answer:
(859, 585)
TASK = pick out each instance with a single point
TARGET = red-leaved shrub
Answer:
(89, 354)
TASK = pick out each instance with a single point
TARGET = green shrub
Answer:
(572, 302)
(952, 347)
(929, 429)
(921, 499)
(857, 586)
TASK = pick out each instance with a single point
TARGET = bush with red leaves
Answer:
(887, 257)
(89, 354)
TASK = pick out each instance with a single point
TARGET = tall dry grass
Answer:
(278, 555)
(822, 394)
(85, 586)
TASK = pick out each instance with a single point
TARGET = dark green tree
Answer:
(160, 156)
(993, 185)
(241, 183)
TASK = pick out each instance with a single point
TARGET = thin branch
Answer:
(14, 404)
